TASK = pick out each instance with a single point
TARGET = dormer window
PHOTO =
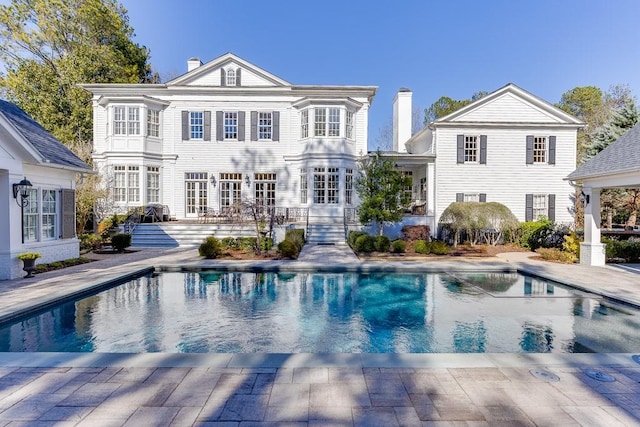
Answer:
(231, 77)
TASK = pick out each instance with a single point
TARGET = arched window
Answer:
(231, 77)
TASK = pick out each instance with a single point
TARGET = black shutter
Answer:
(528, 208)
(223, 77)
(238, 74)
(552, 150)
(254, 126)
(241, 125)
(552, 207)
(460, 141)
(68, 203)
(275, 121)
(185, 125)
(529, 149)
(459, 197)
(219, 123)
(483, 197)
(207, 125)
(483, 149)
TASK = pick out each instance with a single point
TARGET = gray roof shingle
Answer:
(622, 155)
(52, 150)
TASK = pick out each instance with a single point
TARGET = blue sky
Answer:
(435, 48)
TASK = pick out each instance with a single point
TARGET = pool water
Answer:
(231, 312)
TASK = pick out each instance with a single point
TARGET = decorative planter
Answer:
(29, 266)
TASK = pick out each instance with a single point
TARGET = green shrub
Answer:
(526, 229)
(627, 250)
(382, 244)
(210, 248)
(439, 247)
(247, 243)
(555, 254)
(422, 247)
(365, 244)
(229, 243)
(572, 244)
(398, 246)
(56, 265)
(548, 236)
(90, 241)
(477, 221)
(295, 236)
(288, 249)
(353, 236)
(121, 241)
(266, 243)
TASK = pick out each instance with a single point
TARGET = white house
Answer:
(228, 131)
(37, 182)
(509, 147)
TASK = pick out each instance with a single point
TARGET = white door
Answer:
(196, 193)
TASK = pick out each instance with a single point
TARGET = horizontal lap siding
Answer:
(505, 178)
(507, 108)
(248, 78)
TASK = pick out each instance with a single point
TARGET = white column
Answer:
(431, 198)
(592, 252)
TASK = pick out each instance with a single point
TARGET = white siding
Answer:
(248, 78)
(507, 108)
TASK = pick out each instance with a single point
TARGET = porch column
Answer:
(431, 198)
(591, 250)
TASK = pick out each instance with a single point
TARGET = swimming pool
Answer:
(232, 312)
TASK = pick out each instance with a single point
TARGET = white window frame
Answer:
(304, 124)
(265, 125)
(230, 125)
(230, 77)
(304, 186)
(333, 186)
(348, 186)
(319, 186)
(349, 125)
(30, 217)
(40, 217)
(540, 206)
(153, 184)
(540, 149)
(319, 121)
(153, 123)
(196, 124)
(333, 122)
(126, 184)
(471, 146)
(49, 214)
(126, 120)
(471, 197)
(264, 189)
(230, 189)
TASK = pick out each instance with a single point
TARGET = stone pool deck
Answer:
(90, 389)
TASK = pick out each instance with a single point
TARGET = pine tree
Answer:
(622, 120)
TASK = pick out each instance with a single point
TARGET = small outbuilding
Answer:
(37, 188)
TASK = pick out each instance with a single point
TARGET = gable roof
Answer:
(621, 156)
(220, 62)
(554, 113)
(51, 151)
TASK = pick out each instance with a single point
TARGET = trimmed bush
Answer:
(365, 244)
(422, 247)
(90, 241)
(478, 222)
(398, 246)
(210, 248)
(548, 236)
(526, 229)
(295, 236)
(439, 248)
(353, 236)
(288, 249)
(555, 254)
(230, 243)
(382, 244)
(247, 243)
(121, 241)
(266, 243)
(627, 250)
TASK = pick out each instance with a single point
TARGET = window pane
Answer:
(304, 124)
(349, 125)
(334, 122)
(320, 122)
(196, 129)
(134, 121)
(539, 149)
(119, 121)
(230, 125)
(470, 149)
(153, 123)
(264, 125)
(303, 186)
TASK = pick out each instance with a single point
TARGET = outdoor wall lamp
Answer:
(213, 180)
(22, 189)
(247, 180)
(584, 198)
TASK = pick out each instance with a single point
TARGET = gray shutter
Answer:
(254, 125)
(238, 75)
(185, 125)
(552, 207)
(460, 141)
(241, 125)
(459, 197)
(275, 122)
(223, 77)
(529, 149)
(219, 123)
(207, 125)
(552, 150)
(483, 197)
(528, 208)
(68, 203)
(483, 149)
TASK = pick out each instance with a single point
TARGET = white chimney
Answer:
(401, 119)
(193, 63)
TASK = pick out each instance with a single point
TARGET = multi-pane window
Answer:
(319, 186)
(230, 189)
(320, 116)
(264, 125)
(304, 186)
(230, 125)
(348, 186)
(49, 214)
(196, 125)
(231, 77)
(423, 188)
(539, 149)
(333, 186)
(196, 184)
(126, 184)
(407, 190)
(539, 206)
(153, 123)
(471, 197)
(304, 124)
(126, 120)
(470, 149)
(30, 217)
(153, 184)
(133, 184)
(349, 125)
(265, 189)
(334, 122)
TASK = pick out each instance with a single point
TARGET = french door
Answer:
(196, 193)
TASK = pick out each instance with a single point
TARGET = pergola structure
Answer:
(617, 166)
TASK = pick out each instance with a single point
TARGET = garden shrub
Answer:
(266, 243)
(247, 243)
(555, 254)
(210, 248)
(548, 236)
(422, 247)
(439, 247)
(353, 236)
(398, 246)
(412, 233)
(478, 221)
(295, 236)
(627, 250)
(571, 244)
(526, 229)
(230, 243)
(288, 249)
(365, 244)
(121, 241)
(90, 241)
(382, 244)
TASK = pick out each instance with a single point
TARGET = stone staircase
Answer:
(325, 231)
(171, 235)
